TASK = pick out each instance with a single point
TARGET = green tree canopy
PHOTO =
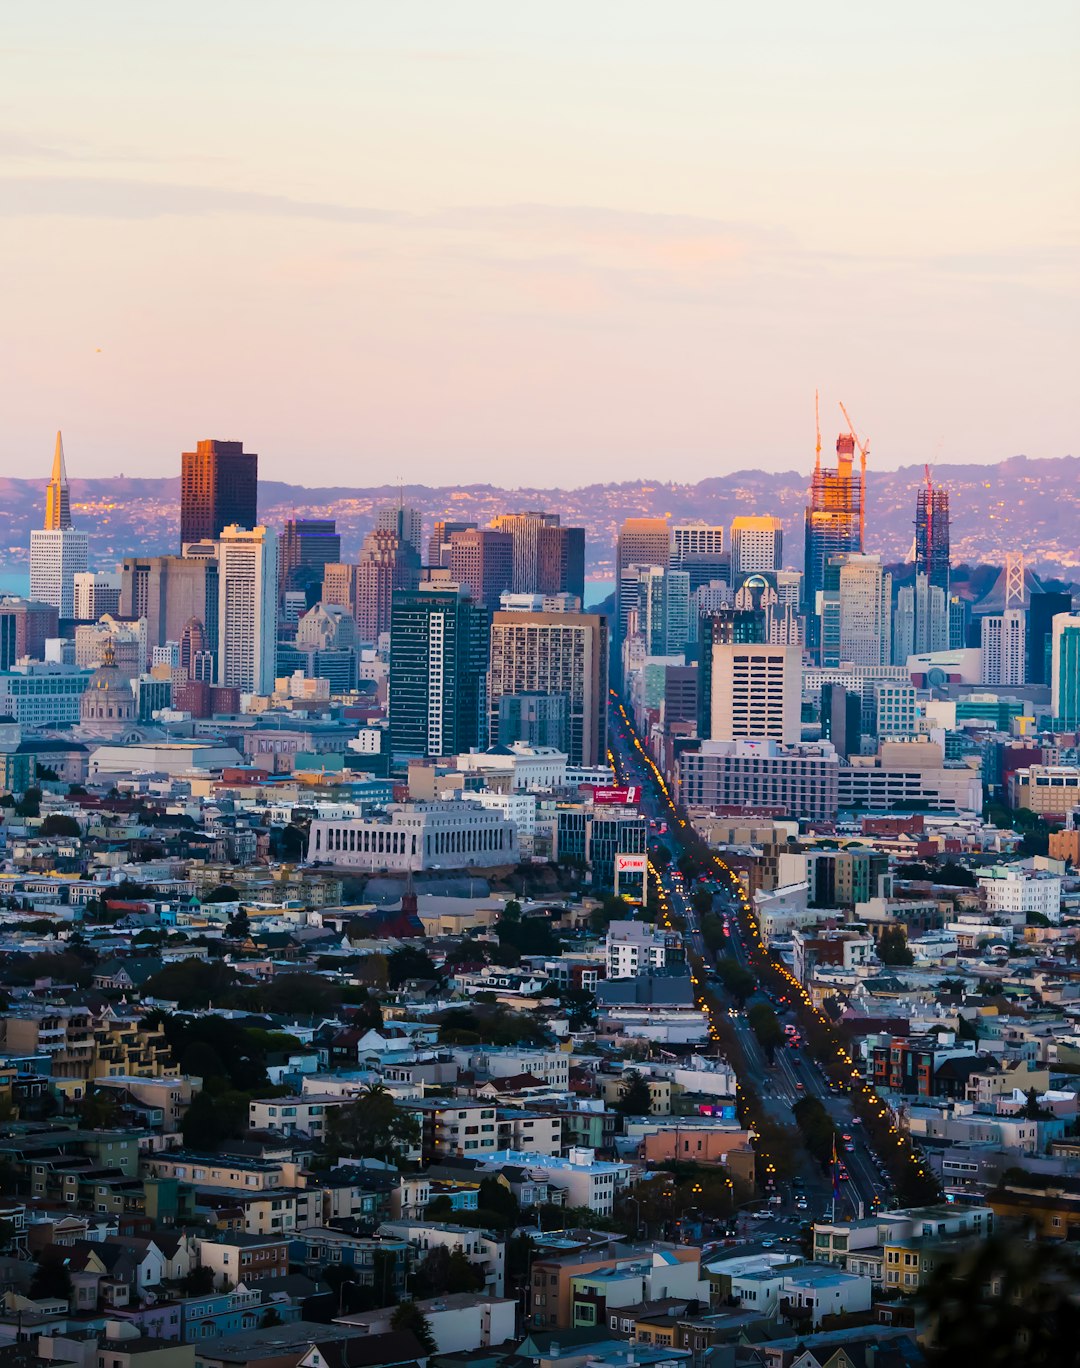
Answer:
(373, 1124)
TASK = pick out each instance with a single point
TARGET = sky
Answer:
(536, 243)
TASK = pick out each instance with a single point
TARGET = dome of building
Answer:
(108, 699)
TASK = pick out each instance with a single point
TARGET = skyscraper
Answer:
(219, 484)
(524, 530)
(247, 609)
(57, 497)
(834, 524)
(339, 585)
(841, 719)
(25, 626)
(438, 672)
(554, 653)
(439, 545)
(641, 541)
(722, 627)
(757, 544)
(921, 620)
(756, 693)
(305, 548)
(482, 561)
(1065, 671)
(1042, 609)
(560, 561)
(406, 523)
(865, 611)
(932, 534)
(169, 591)
(386, 563)
(663, 608)
(1003, 647)
(96, 592)
(57, 551)
(698, 548)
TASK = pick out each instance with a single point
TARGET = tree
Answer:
(892, 947)
(60, 824)
(224, 893)
(461, 1275)
(634, 1099)
(191, 982)
(738, 980)
(766, 1026)
(408, 1316)
(409, 962)
(29, 805)
(373, 1124)
(51, 1280)
(99, 1109)
(238, 926)
(198, 1282)
(1031, 1315)
(271, 1316)
(213, 1117)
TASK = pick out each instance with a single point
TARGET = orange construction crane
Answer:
(864, 448)
(817, 431)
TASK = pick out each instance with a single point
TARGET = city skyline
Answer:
(465, 238)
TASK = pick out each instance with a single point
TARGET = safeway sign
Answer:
(631, 864)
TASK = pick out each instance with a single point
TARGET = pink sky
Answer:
(542, 244)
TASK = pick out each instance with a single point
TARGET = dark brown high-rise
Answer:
(218, 485)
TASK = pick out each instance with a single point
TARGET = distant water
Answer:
(596, 590)
(15, 582)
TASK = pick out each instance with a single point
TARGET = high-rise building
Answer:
(57, 496)
(305, 548)
(219, 486)
(439, 545)
(25, 626)
(169, 591)
(57, 551)
(834, 525)
(438, 671)
(538, 719)
(560, 561)
(841, 719)
(641, 541)
(247, 609)
(96, 592)
(555, 653)
(722, 627)
(865, 611)
(339, 585)
(757, 544)
(1065, 671)
(482, 561)
(1003, 647)
(524, 530)
(959, 622)
(1043, 607)
(698, 548)
(932, 534)
(407, 524)
(756, 693)
(921, 620)
(196, 657)
(663, 608)
(386, 563)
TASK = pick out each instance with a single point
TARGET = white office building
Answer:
(1015, 891)
(634, 948)
(757, 544)
(1003, 638)
(865, 611)
(247, 609)
(417, 836)
(756, 693)
(57, 555)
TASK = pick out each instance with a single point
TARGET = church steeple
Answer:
(57, 499)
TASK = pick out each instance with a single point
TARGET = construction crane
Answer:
(817, 432)
(864, 448)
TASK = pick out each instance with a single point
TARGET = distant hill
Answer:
(1019, 504)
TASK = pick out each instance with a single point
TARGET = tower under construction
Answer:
(834, 522)
(932, 534)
